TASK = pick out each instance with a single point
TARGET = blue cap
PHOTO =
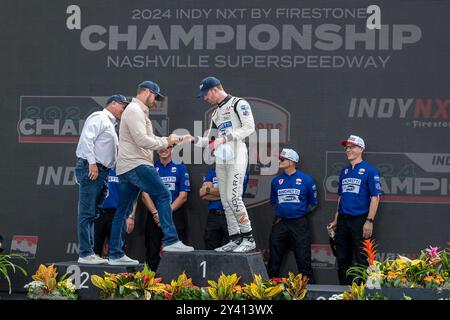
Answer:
(206, 84)
(152, 86)
(120, 98)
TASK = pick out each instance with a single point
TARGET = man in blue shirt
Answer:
(294, 195)
(216, 233)
(176, 179)
(359, 194)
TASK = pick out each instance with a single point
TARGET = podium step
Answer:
(204, 265)
(81, 275)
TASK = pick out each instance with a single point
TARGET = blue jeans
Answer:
(142, 178)
(91, 197)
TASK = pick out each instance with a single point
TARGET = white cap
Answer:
(290, 155)
(355, 140)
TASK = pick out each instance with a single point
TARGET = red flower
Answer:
(278, 280)
(369, 249)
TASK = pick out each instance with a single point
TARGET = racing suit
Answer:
(233, 119)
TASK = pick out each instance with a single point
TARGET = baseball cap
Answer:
(206, 84)
(152, 86)
(354, 140)
(118, 98)
(290, 155)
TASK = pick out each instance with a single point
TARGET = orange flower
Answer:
(428, 278)
(404, 280)
(369, 249)
(392, 275)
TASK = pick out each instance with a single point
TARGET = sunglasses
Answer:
(282, 159)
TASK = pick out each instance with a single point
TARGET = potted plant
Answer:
(426, 277)
(46, 286)
(6, 264)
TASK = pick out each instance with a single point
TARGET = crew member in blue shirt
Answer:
(175, 177)
(359, 195)
(216, 233)
(294, 194)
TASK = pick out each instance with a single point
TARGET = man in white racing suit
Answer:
(233, 119)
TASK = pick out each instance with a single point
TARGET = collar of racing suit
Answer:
(227, 98)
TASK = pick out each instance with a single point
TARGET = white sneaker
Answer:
(246, 246)
(123, 261)
(230, 246)
(92, 259)
(178, 247)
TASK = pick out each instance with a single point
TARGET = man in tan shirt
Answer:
(136, 172)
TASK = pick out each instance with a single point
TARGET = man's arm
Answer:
(368, 225)
(179, 201)
(148, 202)
(333, 223)
(213, 193)
(92, 128)
(248, 123)
(135, 121)
(131, 219)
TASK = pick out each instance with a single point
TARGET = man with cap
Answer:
(294, 195)
(96, 154)
(233, 119)
(137, 173)
(359, 194)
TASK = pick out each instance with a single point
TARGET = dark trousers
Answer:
(154, 236)
(348, 239)
(180, 221)
(153, 241)
(102, 230)
(286, 234)
(216, 233)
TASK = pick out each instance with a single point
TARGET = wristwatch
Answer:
(208, 189)
(370, 220)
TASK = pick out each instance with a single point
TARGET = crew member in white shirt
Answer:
(96, 154)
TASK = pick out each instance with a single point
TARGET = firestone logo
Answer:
(418, 113)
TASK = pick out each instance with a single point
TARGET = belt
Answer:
(99, 165)
(218, 212)
(349, 216)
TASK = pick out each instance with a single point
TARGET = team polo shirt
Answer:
(211, 177)
(292, 195)
(174, 176)
(356, 187)
(112, 198)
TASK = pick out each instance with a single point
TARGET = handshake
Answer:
(176, 139)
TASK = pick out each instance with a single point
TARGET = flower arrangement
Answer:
(45, 286)
(291, 288)
(430, 270)
(140, 285)
(261, 289)
(183, 289)
(144, 285)
(226, 288)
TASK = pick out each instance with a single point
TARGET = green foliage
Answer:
(6, 265)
